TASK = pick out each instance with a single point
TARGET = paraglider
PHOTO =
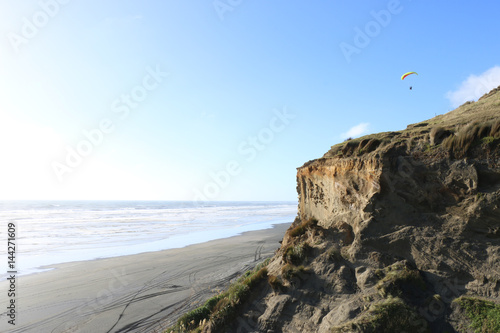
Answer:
(406, 74)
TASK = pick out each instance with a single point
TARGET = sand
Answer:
(137, 293)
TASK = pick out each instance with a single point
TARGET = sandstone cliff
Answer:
(395, 232)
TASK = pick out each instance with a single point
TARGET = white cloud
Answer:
(356, 131)
(474, 87)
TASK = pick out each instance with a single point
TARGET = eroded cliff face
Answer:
(441, 214)
(391, 230)
(338, 190)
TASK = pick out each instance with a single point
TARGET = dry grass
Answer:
(438, 134)
(276, 283)
(303, 227)
(495, 130)
(469, 135)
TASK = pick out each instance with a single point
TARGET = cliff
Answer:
(396, 231)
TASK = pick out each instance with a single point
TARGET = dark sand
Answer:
(138, 293)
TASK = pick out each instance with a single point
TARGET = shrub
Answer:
(484, 315)
(237, 292)
(297, 254)
(390, 315)
(393, 315)
(191, 320)
(487, 140)
(290, 271)
(395, 278)
(303, 227)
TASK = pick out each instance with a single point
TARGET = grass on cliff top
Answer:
(483, 113)
(484, 315)
(360, 146)
(220, 309)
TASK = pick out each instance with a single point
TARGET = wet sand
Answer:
(137, 293)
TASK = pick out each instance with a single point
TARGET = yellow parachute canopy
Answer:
(406, 74)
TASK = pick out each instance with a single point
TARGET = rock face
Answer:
(391, 229)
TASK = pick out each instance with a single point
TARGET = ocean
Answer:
(52, 232)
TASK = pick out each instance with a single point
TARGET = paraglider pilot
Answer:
(406, 74)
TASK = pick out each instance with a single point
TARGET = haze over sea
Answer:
(52, 232)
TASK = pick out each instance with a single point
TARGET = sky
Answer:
(220, 100)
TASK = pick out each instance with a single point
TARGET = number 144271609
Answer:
(11, 246)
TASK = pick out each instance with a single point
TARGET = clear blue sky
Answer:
(220, 100)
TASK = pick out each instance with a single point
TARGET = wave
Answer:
(54, 232)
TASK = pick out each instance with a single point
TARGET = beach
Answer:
(144, 292)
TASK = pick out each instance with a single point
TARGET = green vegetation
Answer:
(290, 271)
(190, 321)
(297, 254)
(487, 140)
(303, 227)
(484, 315)
(220, 309)
(480, 196)
(396, 277)
(387, 311)
(390, 315)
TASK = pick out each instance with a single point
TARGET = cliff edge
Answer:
(396, 232)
